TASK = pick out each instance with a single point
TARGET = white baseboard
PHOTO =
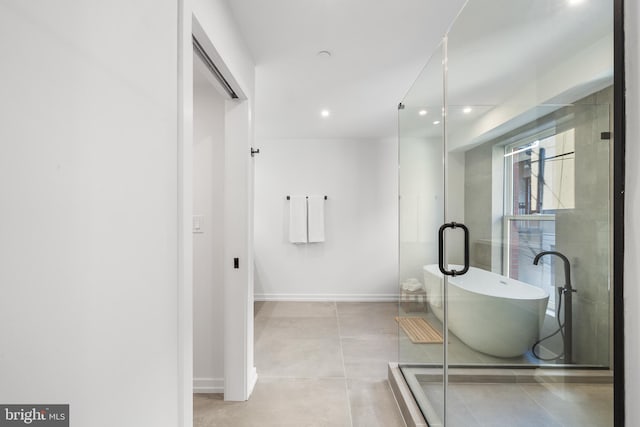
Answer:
(216, 385)
(328, 297)
(208, 385)
(253, 379)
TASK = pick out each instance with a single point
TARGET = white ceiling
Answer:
(378, 48)
(515, 53)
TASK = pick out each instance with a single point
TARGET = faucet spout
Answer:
(567, 266)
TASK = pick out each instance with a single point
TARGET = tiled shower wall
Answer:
(584, 233)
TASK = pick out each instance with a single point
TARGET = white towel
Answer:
(298, 219)
(316, 219)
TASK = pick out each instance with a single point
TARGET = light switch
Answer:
(198, 223)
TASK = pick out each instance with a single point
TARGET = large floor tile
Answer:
(279, 402)
(369, 357)
(367, 309)
(503, 405)
(295, 327)
(373, 404)
(585, 405)
(359, 326)
(294, 309)
(458, 415)
(412, 353)
(299, 358)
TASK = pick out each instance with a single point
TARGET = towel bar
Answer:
(325, 197)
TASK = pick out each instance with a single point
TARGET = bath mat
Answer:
(419, 330)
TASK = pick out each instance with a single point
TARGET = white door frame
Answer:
(185, 214)
(240, 375)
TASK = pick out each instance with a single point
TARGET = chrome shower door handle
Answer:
(441, 249)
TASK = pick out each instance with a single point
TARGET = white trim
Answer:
(184, 291)
(506, 232)
(329, 297)
(238, 305)
(253, 380)
(207, 44)
(214, 28)
(208, 385)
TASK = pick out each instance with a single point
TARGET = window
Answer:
(542, 174)
(539, 181)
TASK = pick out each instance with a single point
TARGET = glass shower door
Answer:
(421, 192)
(520, 154)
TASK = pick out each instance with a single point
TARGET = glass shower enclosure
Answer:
(505, 172)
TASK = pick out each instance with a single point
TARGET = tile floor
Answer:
(319, 364)
(526, 405)
(325, 364)
(506, 405)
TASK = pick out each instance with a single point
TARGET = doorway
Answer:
(216, 323)
(208, 230)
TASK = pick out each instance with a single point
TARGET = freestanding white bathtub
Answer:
(490, 313)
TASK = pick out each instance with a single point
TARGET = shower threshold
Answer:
(418, 390)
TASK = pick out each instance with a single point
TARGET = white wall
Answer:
(358, 261)
(421, 204)
(88, 202)
(95, 266)
(632, 204)
(208, 243)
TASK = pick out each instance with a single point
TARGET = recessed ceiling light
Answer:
(437, 122)
(575, 2)
(422, 112)
(467, 110)
(325, 113)
(324, 54)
